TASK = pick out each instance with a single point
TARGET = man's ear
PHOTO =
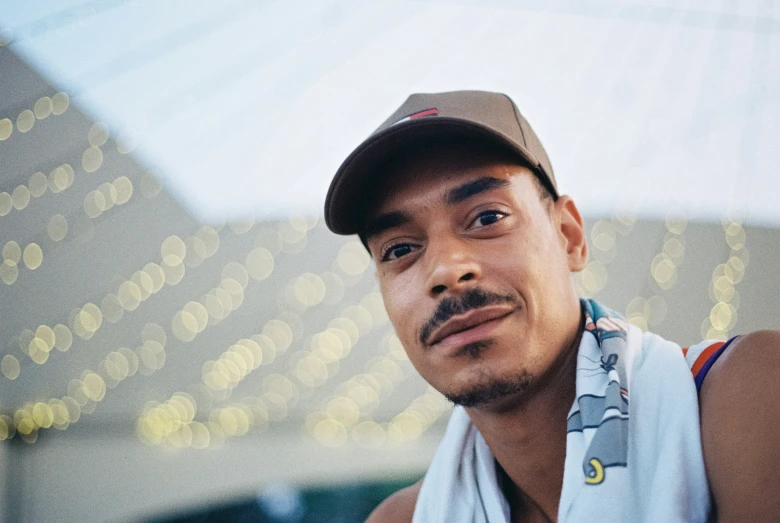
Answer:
(572, 233)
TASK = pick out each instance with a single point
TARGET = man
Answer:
(474, 247)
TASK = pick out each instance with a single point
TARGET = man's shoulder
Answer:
(398, 508)
(740, 420)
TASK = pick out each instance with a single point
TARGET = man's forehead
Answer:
(447, 181)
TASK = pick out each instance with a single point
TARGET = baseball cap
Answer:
(479, 114)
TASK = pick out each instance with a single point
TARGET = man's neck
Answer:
(529, 441)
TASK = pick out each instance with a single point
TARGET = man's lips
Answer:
(469, 323)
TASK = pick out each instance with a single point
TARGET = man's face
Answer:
(475, 270)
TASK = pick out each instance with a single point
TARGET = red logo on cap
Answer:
(419, 114)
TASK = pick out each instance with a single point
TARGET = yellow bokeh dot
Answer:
(97, 134)
(289, 233)
(124, 189)
(6, 128)
(199, 312)
(94, 203)
(352, 258)
(129, 295)
(10, 367)
(20, 197)
(209, 239)
(38, 184)
(173, 250)
(663, 270)
(360, 317)
(5, 430)
(237, 272)
(410, 423)
(57, 227)
(127, 141)
(109, 194)
(63, 338)
(242, 226)
(603, 235)
(25, 121)
(45, 333)
(267, 348)
(150, 186)
(92, 159)
(60, 414)
(723, 316)
(42, 415)
(58, 180)
(259, 263)
(200, 435)
(154, 332)
(12, 252)
(33, 256)
(144, 282)
(94, 386)
(111, 308)
(184, 326)
(675, 249)
(42, 108)
(330, 433)
(735, 236)
(250, 351)
(280, 333)
(59, 103)
(369, 433)
(25, 337)
(235, 290)
(9, 272)
(6, 203)
(346, 325)
(38, 351)
(214, 308)
(157, 275)
(343, 410)
(174, 270)
(676, 224)
(93, 311)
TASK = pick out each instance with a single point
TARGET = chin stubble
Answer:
(491, 389)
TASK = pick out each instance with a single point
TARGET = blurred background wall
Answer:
(180, 331)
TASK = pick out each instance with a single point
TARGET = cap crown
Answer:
(489, 115)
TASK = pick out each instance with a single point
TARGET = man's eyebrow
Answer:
(469, 189)
(384, 222)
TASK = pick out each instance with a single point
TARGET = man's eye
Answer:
(396, 251)
(487, 218)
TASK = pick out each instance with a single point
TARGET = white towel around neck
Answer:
(624, 465)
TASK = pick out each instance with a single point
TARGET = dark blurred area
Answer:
(349, 503)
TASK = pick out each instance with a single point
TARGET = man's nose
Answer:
(452, 266)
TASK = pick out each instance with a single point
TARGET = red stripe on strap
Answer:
(704, 356)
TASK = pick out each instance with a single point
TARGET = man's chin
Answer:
(493, 392)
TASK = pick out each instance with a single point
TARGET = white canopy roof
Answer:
(248, 106)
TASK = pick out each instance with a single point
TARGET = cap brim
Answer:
(348, 200)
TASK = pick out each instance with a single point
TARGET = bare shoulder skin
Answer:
(740, 420)
(398, 508)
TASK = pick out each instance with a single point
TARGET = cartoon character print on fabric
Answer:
(604, 405)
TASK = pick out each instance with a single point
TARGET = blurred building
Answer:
(154, 364)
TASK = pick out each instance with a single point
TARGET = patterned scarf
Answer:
(638, 464)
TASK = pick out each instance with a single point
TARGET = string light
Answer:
(723, 285)
(86, 320)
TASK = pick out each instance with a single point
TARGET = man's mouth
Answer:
(469, 327)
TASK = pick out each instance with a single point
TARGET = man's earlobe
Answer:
(572, 231)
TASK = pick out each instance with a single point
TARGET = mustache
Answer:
(470, 300)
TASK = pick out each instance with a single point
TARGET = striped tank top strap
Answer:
(702, 356)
